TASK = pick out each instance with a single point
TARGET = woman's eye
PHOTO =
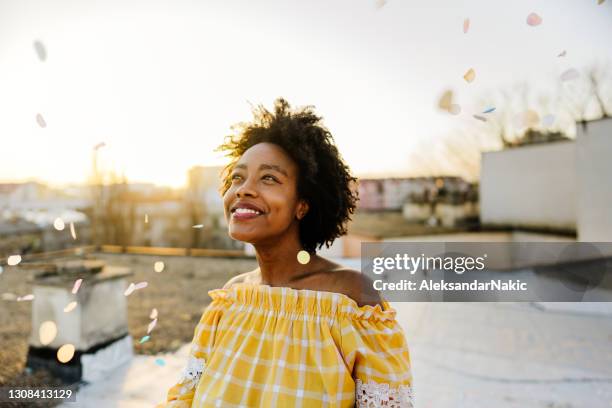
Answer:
(269, 177)
(236, 177)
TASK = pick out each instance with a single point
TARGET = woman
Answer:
(300, 330)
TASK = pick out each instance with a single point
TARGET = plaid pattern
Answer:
(264, 346)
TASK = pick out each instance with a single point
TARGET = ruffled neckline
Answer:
(300, 301)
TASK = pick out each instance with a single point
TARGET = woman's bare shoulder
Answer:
(248, 277)
(357, 286)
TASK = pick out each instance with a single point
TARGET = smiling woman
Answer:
(293, 332)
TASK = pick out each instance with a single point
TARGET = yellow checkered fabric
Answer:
(263, 346)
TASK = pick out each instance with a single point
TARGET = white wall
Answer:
(594, 168)
(530, 186)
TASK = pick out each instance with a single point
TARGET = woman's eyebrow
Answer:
(265, 167)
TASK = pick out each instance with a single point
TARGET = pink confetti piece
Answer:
(13, 260)
(72, 231)
(41, 121)
(470, 75)
(70, 307)
(534, 20)
(76, 286)
(569, 75)
(141, 285)
(153, 314)
(480, 118)
(562, 53)
(151, 326)
(40, 50)
(466, 25)
(25, 298)
(129, 290)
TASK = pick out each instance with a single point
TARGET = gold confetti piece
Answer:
(65, 353)
(146, 218)
(129, 290)
(198, 226)
(72, 230)
(59, 224)
(153, 314)
(466, 25)
(158, 266)
(446, 100)
(41, 52)
(562, 53)
(13, 260)
(47, 332)
(469, 76)
(141, 285)
(70, 307)
(454, 109)
(41, 121)
(25, 298)
(534, 20)
(303, 257)
(481, 118)
(76, 286)
(151, 326)
(569, 75)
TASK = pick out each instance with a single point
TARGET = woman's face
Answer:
(262, 202)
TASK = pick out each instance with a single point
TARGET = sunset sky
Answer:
(160, 82)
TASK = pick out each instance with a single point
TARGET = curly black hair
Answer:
(324, 180)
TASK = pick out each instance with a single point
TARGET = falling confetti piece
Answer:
(65, 353)
(141, 285)
(534, 20)
(469, 76)
(198, 226)
(70, 307)
(151, 326)
(47, 332)
(562, 54)
(303, 257)
(41, 121)
(160, 362)
(76, 286)
(41, 52)
(158, 266)
(548, 120)
(72, 230)
(145, 339)
(9, 296)
(466, 25)
(446, 100)
(569, 75)
(146, 218)
(13, 260)
(59, 224)
(129, 290)
(454, 109)
(481, 118)
(153, 314)
(25, 298)
(488, 110)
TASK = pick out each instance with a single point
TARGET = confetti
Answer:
(470, 75)
(9, 296)
(562, 54)
(569, 75)
(466, 25)
(303, 257)
(41, 121)
(13, 260)
(488, 110)
(70, 307)
(146, 218)
(160, 362)
(151, 326)
(76, 286)
(72, 230)
(454, 109)
(141, 285)
(446, 100)
(41, 52)
(198, 226)
(145, 339)
(25, 298)
(534, 20)
(129, 290)
(59, 224)
(47, 332)
(548, 120)
(65, 353)
(158, 266)
(481, 118)
(380, 4)
(153, 314)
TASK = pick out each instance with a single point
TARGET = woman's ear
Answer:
(302, 209)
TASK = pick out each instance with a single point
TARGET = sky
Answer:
(161, 82)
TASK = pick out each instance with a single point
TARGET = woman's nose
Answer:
(246, 189)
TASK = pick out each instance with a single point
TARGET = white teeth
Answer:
(246, 211)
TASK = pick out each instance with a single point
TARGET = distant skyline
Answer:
(161, 82)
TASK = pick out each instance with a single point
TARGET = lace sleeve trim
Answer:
(192, 373)
(373, 394)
